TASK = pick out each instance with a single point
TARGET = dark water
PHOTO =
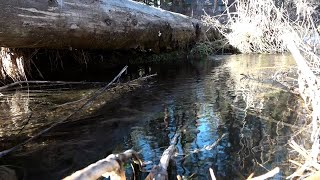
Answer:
(242, 96)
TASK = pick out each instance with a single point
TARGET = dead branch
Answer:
(267, 175)
(110, 166)
(89, 101)
(21, 83)
(131, 83)
(208, 147)
(213, 177)
(159, 172)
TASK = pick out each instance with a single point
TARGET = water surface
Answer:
(245, 96)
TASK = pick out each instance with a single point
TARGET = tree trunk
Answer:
(103, 24)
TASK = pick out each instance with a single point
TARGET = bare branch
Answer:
(110, 166)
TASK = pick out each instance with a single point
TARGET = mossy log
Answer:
(93, 24)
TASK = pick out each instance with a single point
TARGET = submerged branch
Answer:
(267, 175)
(159, 171)
(21, 83)
(130, 84)
(89, 101)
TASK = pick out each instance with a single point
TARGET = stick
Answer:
(267, 175)
(166, 156)
(159, 171)
(207, 147)
(2, 88)
(95, 95)
(130, 83)
(110, 166)
(213, 177)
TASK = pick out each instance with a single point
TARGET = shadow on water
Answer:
(239, 95)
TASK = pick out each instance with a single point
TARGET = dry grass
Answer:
(11, 66)
(261, 26)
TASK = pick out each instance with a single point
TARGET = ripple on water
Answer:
(200, 100)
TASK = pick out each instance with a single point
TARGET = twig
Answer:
(267, 175)
(95, 95)
(132, 81)
(25, 124)
(213, 177)
(205, 148)
(179, 177)
(2, 88)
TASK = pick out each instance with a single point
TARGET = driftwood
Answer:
(159, 172)
(104, 24)
(111, 166)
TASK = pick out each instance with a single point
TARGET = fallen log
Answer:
(103, 24)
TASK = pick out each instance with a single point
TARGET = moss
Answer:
(206, 48)
(159, 58)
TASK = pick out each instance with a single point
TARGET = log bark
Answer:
(96, 24)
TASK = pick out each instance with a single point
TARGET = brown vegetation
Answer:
(260, 26)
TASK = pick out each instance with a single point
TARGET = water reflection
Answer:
(220, 100)
(242, 96)
(16, 112)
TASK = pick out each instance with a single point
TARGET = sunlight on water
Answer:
(245, 96)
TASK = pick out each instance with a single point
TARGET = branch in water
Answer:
(89, 101)
(110, 166)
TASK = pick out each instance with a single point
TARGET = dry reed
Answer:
(11, 66)
(262, 26)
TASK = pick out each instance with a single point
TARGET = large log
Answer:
(99, 24)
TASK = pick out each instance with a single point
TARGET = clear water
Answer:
(239, 95)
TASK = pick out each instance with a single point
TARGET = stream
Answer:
(245, 97)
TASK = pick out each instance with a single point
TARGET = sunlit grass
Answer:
(260, 26)
(11, 66)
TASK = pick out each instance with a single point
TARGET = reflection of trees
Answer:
(257, 95)
(23, 112)
(221, 102)
(14, 112)
(192, 109)
(203, 103)
(26, 112)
